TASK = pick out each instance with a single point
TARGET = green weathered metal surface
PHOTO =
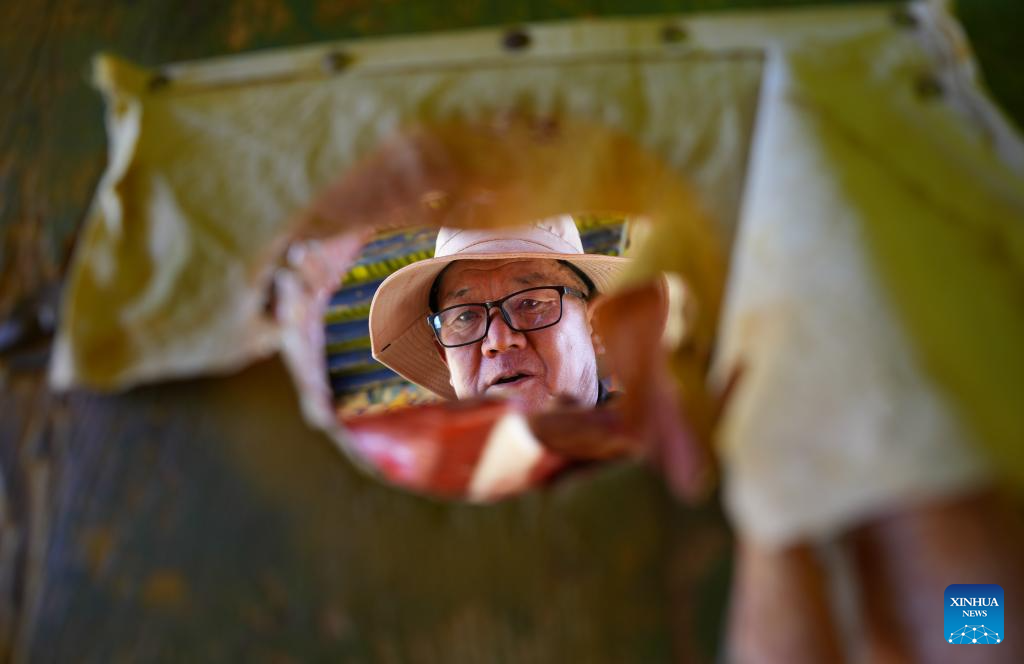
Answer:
(237, 533)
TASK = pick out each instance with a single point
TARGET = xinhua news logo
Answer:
(974, 613)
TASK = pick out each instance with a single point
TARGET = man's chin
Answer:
(529, 394)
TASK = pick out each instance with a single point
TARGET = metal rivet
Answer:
(928, 86)
(158, 81)
(904, 18)
(516, 39)
(336, 61)
(673, 34)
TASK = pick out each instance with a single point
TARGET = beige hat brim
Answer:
(401, 338)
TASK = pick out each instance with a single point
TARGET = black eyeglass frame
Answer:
(434, 319)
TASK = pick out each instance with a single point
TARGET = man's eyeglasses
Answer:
(523, 311)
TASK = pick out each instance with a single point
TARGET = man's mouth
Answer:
(509, 379)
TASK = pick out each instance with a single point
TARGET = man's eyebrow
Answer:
(530, 279)
(526, 280)
(455, 293)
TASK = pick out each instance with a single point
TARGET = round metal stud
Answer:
(928, 87)
(904, 18)
(337, 61)
(159, 81)
(516, 39)
(673, 34)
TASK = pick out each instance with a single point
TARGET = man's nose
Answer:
(500, 337)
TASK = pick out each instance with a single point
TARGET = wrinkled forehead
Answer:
(472, 279)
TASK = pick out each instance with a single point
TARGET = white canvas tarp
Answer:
(848, 159)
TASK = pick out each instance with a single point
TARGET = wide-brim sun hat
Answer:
(401, 338)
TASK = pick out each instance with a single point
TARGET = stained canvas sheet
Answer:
(843, 398)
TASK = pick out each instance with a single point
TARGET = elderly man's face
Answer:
(558, 360)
